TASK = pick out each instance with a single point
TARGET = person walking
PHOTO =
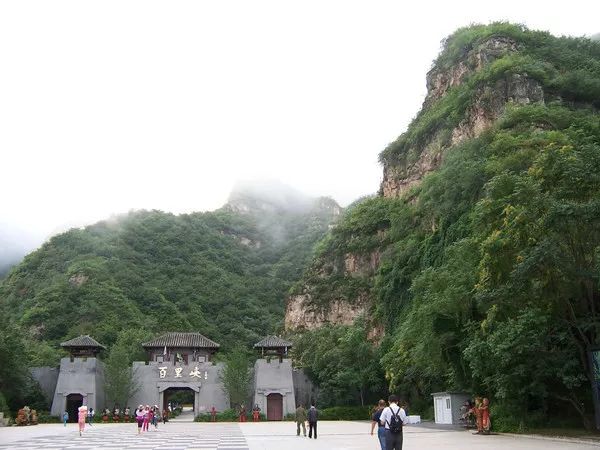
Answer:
(155, 416)
(65, 417)
(300, 420)
(392, 418)
(375, 421)
(81, 417)
(313, 416)
(90, 416)
(139, 417)
(146, 418)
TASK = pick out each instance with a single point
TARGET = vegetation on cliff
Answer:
(224, 273)
(490, 266)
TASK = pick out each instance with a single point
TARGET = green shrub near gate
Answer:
(229, 415)
(346, 413)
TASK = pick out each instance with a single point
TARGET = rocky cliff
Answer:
(482, 74)
(488, 101)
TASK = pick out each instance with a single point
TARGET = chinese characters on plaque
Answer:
(196, 373)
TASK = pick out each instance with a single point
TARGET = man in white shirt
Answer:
(391, 415)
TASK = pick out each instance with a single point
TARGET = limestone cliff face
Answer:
(337, 287)
(306, 310)
(486, 106)
(301, 313)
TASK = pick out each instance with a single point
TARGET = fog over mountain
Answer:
(15, 243)
(249, 195)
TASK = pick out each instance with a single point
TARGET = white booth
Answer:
(446, 406)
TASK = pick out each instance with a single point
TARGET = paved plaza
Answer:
(261, 436)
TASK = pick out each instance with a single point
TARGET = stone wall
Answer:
(83, 376)
(274, 377)
(205, 382)
(47, 378)
(305, 390)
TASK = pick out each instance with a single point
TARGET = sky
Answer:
(111, 106)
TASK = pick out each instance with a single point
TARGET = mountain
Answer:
(224, 273)
(477, 266)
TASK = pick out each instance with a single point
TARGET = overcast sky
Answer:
(108, 106)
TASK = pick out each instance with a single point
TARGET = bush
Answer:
(504, 420)
(229, 415)
(45, 417)
(346, 413)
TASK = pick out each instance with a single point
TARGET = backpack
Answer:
(395, 422)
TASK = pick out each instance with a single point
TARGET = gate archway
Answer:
(74, 401)
(274, 407)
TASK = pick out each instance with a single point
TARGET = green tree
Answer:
(120, 381)
(236, 376)
(342, 362)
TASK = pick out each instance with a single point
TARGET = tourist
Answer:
(82, 416)
(165, 416)
(139, 417)
(393, 417)
(90, 416)
(485, 416)
(146, 418)
(65, 417)
(478, 414)
(313, 416)
(150, 417)
(300, 420)
(213, 414)
(375, 421)
(155, 416)
(243, 413)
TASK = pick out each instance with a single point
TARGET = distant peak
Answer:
(268, 195)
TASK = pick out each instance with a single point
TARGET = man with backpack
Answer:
(392, 418)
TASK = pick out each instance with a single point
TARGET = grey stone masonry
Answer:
(84, 376)
(204, 378)
(274, 377)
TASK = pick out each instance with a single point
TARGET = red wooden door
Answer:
(274, 407)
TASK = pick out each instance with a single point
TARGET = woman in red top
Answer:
(485, 416)
(478, 414)
(146, 418)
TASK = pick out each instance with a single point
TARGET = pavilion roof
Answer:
(83, 341)
(272, 342)
(187, 340)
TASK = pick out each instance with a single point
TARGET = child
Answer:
(82, 415)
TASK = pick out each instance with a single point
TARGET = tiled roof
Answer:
(82, 341)
(272, 342)
(194, 340)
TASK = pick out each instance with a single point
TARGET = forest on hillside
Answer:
(223, 273)
(490, 267)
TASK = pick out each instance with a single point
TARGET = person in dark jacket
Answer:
(313, 416)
